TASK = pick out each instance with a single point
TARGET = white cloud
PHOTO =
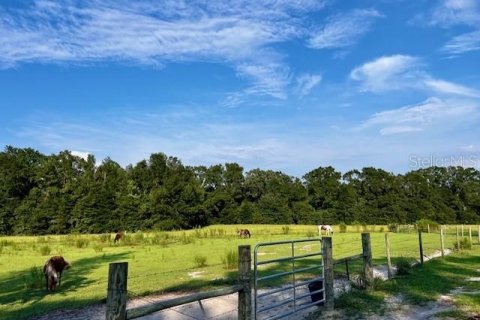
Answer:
(433, 112)
(451, 88)
(454, 12)
(400, 72)
(343, 30)
(306, 82)
(386, 73)
(81, 154)
(239, 33)
(463, 43)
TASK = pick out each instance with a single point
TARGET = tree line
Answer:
(63, 193)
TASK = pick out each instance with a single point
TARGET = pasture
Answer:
(161, 261)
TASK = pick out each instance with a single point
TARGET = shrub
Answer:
(285, 229)
(343, 227)
(45, 250)
(104, 237)
(382, 229)
(465, 244)
(34, 279)
(230, 259)
(424, 224)
(138, 237)
(404, 266)
(81, 243)
(186, 239)
(98, 247)
(393, 227)
(200, 261)
(311, 234)
(357, 225)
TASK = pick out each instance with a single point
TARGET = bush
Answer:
(98, 247)
(230, 259)
(285, 229)
(45, 250)
(104, 237)
(343, 227)
(81, 243)
(424, 224)
(34, 279)
(200, 261)
(138, 237)
(393, 227)
(311, 234)
(404, 266)
(465, 244)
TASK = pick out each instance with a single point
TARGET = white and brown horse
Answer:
(243, 233)
(325, 227)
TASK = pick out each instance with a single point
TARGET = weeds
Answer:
(404, 266)
(200, 261)
(34, 279)
(81, 243)
(45, 250)
(285, 229)
(230, 259)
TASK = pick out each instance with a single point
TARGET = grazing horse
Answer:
(119, 236)
(53, 269)
(325, 227)
(244, 233)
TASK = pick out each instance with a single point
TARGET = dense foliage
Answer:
(64, 193)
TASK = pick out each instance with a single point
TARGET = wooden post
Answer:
(428, 228)
(116, 308)
(470, 233)
(346, 269)
(367, 260)
(327, 254)
(458, 241)
(389, 261)
(244, 272)
(421, 245)
(442, 243)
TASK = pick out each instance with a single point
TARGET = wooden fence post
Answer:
(116, 308)
(244, 272)
(367, 260)
(458, 241)
(470, 233)
(421, 245)
(327, 254)
(442, 243)
(428, 228)
(389, 261)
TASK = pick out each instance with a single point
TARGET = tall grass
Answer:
(230, 259)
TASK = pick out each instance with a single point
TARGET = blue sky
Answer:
(286, 85)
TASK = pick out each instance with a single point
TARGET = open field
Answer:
(161, 261)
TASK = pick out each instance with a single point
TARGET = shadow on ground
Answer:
(13, 290)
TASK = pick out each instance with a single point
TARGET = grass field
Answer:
(161, 261)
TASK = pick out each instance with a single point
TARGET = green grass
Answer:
(162, 261)
(425, 283)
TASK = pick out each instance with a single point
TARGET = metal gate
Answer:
(304, 287)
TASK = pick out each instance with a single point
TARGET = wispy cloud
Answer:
(386, 73)
(344, 30)
(451, 88)
(433, 112)
(400, 72)
(306, 82)
(463, 43)
(453, 12)
(239, 34)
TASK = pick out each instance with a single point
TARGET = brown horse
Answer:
(244, 233)
(53, 269)
(119, 236)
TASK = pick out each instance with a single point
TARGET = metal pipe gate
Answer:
(295, 301)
